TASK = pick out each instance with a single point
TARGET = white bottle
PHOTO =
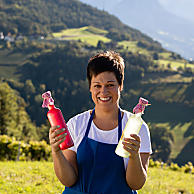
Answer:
(133, 126)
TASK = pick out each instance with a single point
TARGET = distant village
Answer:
(11, 38)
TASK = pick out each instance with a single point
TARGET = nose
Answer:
(104, 90)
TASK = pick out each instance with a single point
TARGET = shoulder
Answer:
(81, 117)
(126, 113)
(144, 129)
(77, 127)
(126, 116)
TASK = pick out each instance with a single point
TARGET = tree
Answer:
(101, 45)
(14, 120)
(155, 56)
(162, 140)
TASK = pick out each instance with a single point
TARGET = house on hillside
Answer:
(9, 37)
(20, 37)
(1, 36)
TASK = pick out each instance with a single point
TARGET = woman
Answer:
(92, 166)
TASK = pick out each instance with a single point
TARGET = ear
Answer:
(121, 88)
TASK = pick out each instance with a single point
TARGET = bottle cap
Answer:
(48, 100)
(140, 107)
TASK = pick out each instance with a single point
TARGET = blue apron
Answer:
(101, 171)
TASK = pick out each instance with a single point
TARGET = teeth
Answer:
(105, 99)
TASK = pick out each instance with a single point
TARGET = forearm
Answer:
(136, 174)
(63, 169)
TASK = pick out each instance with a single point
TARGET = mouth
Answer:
(106, 99)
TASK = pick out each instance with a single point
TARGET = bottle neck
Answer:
(138, 114)
(51, 106)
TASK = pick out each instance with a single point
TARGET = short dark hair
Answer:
(106, 61)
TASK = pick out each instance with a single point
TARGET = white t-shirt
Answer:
(77, 127)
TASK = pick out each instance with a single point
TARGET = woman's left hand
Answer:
(132, 145)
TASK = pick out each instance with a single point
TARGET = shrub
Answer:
(39, 150)
(11, 149)
(174, 167)
(4, 142)
(188, 168)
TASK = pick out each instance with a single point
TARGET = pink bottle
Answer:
(56, 118)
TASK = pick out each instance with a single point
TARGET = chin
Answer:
(108, 107)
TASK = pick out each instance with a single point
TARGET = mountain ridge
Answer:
(150, 17)
(43, 17)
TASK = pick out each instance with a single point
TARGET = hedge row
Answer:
(11, 149)
(187, 168)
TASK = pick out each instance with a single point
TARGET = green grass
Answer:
(162, 181)
(39, 177)
(174, 64)
(87, 30)
(132, 46)
(88, 34)
(28, 177)
(9, 72)
(9, 61)
(165, 55)
(9, 57)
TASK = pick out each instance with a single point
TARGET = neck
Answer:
(106, 114)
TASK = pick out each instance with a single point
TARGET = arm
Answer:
(136, 172)
(65, 162)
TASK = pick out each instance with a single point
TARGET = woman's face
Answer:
(105, 90)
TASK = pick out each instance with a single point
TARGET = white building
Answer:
(1, 36)
(9, 37)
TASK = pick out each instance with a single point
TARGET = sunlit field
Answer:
(39, 177)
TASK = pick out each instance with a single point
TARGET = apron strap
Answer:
(89, 122)
(119, 124)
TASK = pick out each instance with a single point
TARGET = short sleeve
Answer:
(71, 128)
(77, 127)
(144, 134)
(145, 146)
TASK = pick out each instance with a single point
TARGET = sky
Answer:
(183, 8)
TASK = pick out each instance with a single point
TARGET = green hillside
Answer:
(87, 34)
(71, 33)
(46, 16)
(33, 76)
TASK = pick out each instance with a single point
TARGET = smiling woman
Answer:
(91, 165)
(105, 91)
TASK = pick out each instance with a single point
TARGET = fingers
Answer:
(56, 137)
(136, 137)
(52, 129)
(132, 144)
(56, 141)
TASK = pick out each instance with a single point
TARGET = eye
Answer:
(97, 86)
(110, 85)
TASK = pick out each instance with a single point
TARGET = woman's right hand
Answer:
(56, 139)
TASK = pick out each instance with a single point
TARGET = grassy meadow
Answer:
(88, 34)
(174, 64)
(39, 177)
(132, 46)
